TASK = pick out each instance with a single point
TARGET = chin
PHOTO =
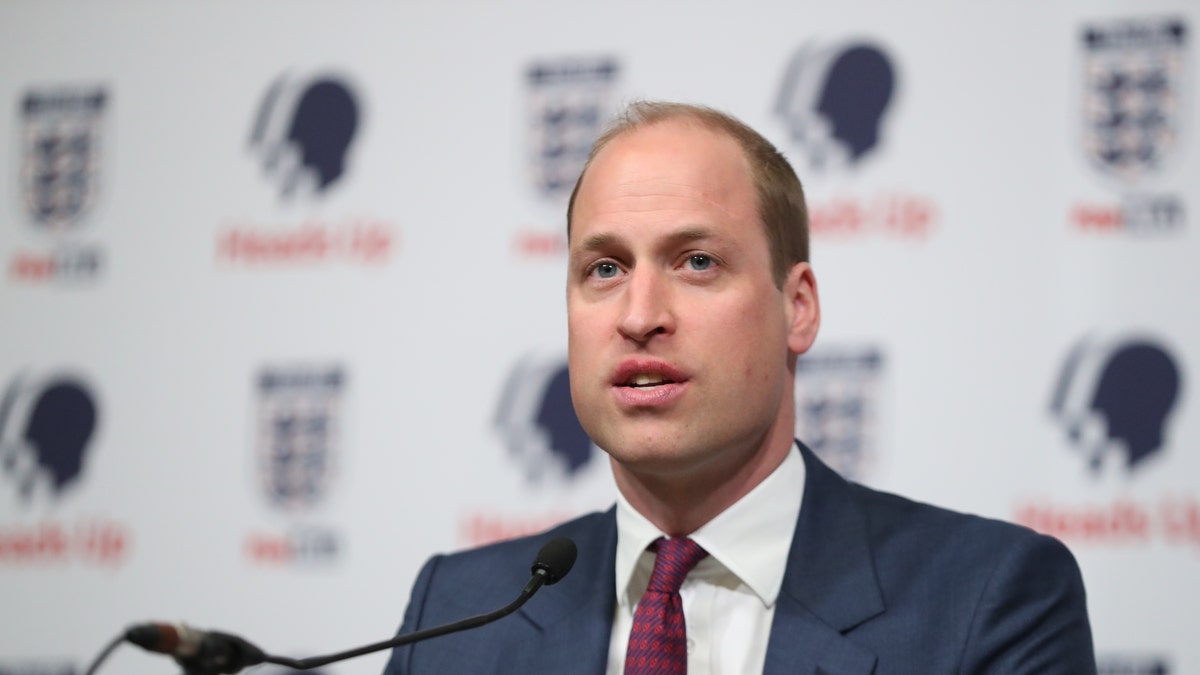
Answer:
(655, 455)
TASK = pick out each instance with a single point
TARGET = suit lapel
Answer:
(830, 584)
(829, 588)
(574, 617)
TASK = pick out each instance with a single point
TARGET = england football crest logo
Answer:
(298, 432)
(569, 102)
(1134, 94)
(60, 154)
(838, 395)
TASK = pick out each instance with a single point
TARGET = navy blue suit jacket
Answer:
(875, 583)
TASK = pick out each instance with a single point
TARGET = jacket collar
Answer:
(574, 617)
(830, 586)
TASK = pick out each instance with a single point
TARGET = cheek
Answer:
(585, 338)
(759, 323)
(581, 336)
(577, 326)
(757, 336)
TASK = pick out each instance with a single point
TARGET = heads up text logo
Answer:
(569, 103)
(45, 428)
(1134, 75)
(303, 132)
(537, 420)
(1115, 400)
(833, 101)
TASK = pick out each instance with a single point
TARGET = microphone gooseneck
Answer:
(210, 652)
(553, 562)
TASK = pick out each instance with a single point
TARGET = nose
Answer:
(647, 311)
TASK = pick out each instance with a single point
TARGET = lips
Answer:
(644, 383)
(646, 373)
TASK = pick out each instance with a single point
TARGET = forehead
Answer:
(663, 168)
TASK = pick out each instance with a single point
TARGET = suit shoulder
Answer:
(512, 558)
(999, 597)
(898, 522)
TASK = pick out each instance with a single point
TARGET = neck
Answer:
(679, 503)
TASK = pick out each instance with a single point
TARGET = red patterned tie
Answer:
(658, 642)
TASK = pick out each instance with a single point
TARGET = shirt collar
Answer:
(751, 538)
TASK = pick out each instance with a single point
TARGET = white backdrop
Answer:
(301, 264)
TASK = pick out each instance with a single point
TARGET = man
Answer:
(689, 299)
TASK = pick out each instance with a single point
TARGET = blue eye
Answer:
(605, 270)
(700, 262)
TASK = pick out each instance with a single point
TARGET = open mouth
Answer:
(645, 384)
(647, 380)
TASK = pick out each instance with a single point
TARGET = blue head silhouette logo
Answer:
(833, 101)
(304, 133)
(44, 431)
(1117, 399)
(538, 422)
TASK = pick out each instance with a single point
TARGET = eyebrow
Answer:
(598, 241)
(604, 240)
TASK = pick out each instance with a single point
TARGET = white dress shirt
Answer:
(729, 598)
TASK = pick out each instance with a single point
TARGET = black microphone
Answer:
(211, 652)
(554, 560)
(196, 650)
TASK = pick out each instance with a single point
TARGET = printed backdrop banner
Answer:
(282, 290)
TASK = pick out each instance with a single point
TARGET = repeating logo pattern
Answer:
(833, 100)
(47, 426)
(1115, 400)
(1134, 75)
(838, 401)
(45, 430)
(298, 433)
(303, 133)
(537, 420)
(569, 101)
(61, 150)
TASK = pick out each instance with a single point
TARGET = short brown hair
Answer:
(780, 196)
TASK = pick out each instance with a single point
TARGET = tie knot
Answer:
(673, 559)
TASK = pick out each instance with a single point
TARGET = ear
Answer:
(803, 307)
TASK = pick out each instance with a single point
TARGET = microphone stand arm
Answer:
(534, 584)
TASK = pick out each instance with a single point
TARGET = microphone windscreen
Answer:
(156, 637)
(555, 559)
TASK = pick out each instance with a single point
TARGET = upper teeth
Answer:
(645, 379)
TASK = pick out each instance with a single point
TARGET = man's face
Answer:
(679, 338)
